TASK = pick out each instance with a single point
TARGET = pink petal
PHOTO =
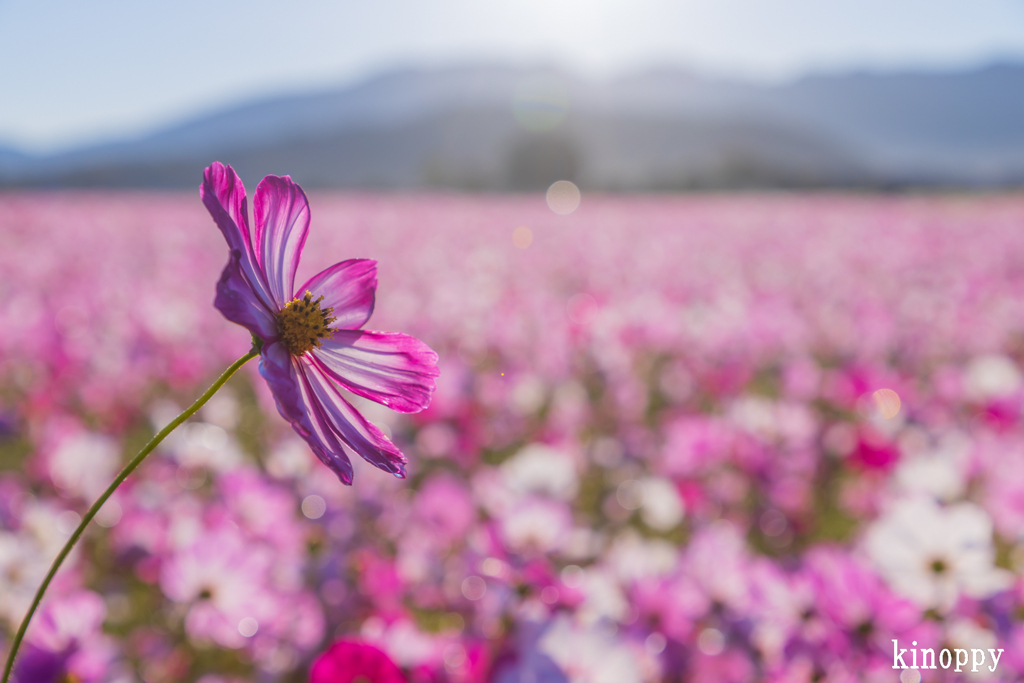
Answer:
(348, 661)
(390, 368)
(238, 303)
(349, 288)
(346, 422)
(282, 224)
(298, 406)
(224, 196)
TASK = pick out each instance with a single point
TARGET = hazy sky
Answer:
(77, 71)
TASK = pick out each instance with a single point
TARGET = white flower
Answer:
(22, 568)
(541, 469)
(25, 557)
(491, 492)
(404, 643)
(662, 507)
(591, 655)
(992, 376)
(584, 543)
(290, 459)
(939, 473)
(222, 409)
(41, 522)
(85, 463)
(932, 554)
(528, 395)
(201, 444)
(966, 634)
(772, 421)
(537, 524)
(603, 599)
(636, 558)
(716, 561)
(755, 415)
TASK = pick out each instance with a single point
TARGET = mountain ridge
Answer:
(508, 128)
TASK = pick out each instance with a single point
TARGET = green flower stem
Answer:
(129, 468)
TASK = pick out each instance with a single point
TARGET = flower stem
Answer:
(128, 469)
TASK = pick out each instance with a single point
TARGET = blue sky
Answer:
(81, 71)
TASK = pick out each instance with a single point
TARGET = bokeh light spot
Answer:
(655, 643)
(887, 403)
(910, 676)
(572, 576)
(474, 588)
(773, 523)
(191, 478)
(630, 494)
(313, 506)
(581, 308)
(522, 237)
(711, 642)
(68, 521)
(248, 627)
(454, 657)
(563, 197)
(109, 515)
(492, 566)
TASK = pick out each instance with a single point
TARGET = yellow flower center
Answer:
(303, 323)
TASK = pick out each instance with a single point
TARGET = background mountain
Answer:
(491, 128)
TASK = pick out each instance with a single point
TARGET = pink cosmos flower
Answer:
(223, 580)
(346, 662)
(311, 337)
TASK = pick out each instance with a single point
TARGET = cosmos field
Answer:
(706, 438)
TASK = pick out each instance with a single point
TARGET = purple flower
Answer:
(311, 336)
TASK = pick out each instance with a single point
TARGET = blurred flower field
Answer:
(708, 438)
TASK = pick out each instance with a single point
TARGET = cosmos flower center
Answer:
(303, 323)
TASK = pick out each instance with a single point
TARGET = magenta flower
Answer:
(310, 338)
(347, 662)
